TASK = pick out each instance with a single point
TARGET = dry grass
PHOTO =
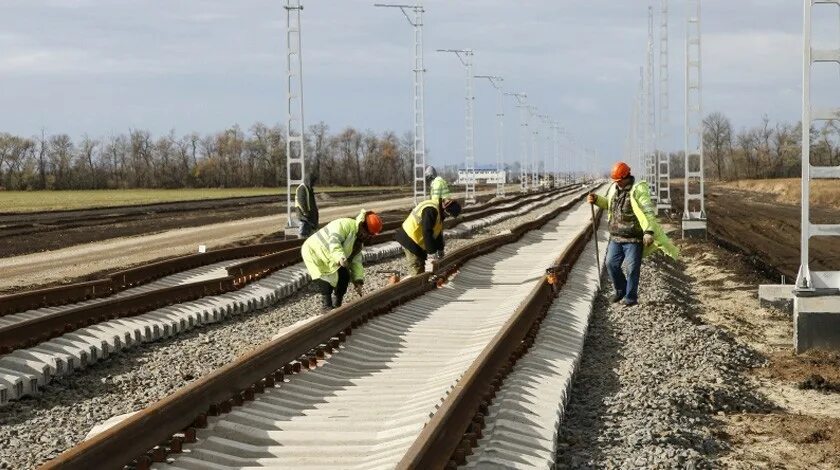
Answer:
(36, 201)
(788, 190)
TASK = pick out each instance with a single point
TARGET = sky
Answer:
(104, 66)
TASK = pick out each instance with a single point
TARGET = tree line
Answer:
(230, 158)
(766, 150)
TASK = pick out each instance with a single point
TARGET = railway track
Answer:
(408, 350)
(142, 314)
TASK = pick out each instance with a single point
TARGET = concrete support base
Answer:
(816, 322)
(777, 295)
(694, 228)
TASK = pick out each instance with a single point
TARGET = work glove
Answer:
(440, 255)
(591, 198)
(343, 262)
(648, 239)
(359, 286)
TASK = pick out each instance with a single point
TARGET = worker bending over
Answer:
(333, 255)
(421, 235)
(306, 207)
(634, 231)
(438, 187)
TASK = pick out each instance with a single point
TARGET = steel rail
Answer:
(446, 440)
(125, 279)
(33, 331)
(162, 428)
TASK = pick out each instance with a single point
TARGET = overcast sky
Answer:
(103, 66)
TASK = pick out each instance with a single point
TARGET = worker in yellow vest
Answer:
(421, 235)
(438, 187)
(333, 255)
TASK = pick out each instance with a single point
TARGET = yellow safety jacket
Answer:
(322, 252)
(644, 210)
(439, 189)
(413, 225)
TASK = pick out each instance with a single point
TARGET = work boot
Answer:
(616, 297)
(326, 302)
(336, 301)
(629, 303)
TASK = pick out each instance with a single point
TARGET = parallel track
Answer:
(26, 370)
(365, 405)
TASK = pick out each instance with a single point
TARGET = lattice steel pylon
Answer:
(535, 149)
(419, 108)
(295, 147)
(650, 115)
(466, 58)
(663, 167)
(808, 280)
(548, 147)
(556, 131)
(694, 208)
(641, 142)
(522, 104)
(496, 81)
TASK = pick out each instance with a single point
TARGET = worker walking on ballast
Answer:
(333, 255)
(421, 235)
(306, 206)
(634, 231)
(438, 187)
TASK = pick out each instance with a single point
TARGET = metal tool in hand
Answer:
(595, 236)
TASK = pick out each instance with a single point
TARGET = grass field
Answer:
(36, 201)
(787, 190)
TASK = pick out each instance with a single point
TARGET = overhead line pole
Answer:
(419, 116)
(496, 81)
(663, 166)
(522, 104)
(295, 147)
(466, 58)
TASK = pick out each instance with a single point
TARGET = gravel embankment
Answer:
(37, 429)
(651, 381)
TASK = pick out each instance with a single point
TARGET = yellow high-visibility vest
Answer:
(413, 224)
(439, 189)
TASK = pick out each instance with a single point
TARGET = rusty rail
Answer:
(34, 331)
(162, 428)
(455, 428)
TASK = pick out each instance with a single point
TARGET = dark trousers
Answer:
(306, 229)
(340, 289)
(617, 254)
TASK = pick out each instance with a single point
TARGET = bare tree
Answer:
(717, 140)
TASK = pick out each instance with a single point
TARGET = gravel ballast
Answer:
(652, 381)
(36, 429)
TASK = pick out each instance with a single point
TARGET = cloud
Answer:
(92, 65)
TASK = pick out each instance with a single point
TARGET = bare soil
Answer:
(753, 223)
(802, 429)
(789, 190)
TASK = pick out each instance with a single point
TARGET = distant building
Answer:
(484, 174)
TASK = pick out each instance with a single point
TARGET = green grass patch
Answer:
(38, 201)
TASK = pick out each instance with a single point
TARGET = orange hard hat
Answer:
(620, 171)
(373, 223)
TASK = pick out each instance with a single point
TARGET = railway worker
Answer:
(634, 231)
(438, 187)
(333, 255)
(306, 207)
(421, 235)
